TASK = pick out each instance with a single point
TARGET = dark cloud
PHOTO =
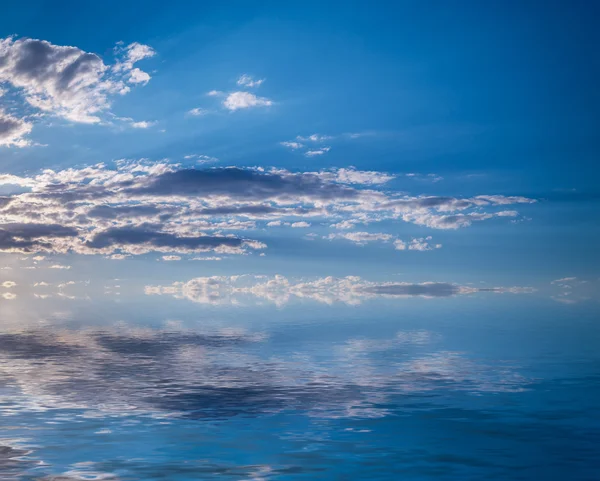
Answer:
(114, 212)
(241, 184)
(27, 237)
(12, 130)
(137, 236)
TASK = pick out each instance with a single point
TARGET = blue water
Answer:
(485, 387)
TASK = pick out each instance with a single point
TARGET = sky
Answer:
(216, 150)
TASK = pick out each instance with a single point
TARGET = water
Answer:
(485, 386)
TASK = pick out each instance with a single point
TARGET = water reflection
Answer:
(255, 399)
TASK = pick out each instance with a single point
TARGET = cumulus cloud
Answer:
(66, 81)
(244, 100)
(416, 244)
(138, 207)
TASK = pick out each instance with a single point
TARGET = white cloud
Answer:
(300, 225)
(138, 207)
(416, 244)
(201, 158)
(353, 176)
(292, 145)
(133, 53)
(314, 138)
(137, 76)
(144, 124)
(214, 93)
(13, 130)
(361, 238)
(197, 112)
(425, 177)
(244, 100)
(171, 258)
(321, 151)
(66, 81)
(247, 81)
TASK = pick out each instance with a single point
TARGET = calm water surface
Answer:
(485, 387)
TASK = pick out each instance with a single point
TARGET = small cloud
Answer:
(171, 258)
(321, 151)
(247, 81)
(300, 225)
(59, 266)
(425, 177)
(292, 145)
(314, 138)
(142, 124)
(137, 76)
(197, 112)
(244, 100)
(214, 93)
(118, 257)
(8, 284)
(201, 158)
(210, 258)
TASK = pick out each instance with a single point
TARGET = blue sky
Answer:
(439, 142)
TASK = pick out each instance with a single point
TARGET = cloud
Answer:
(132, 53)
(137, 76)
(572, 290)
(197, 112)
(300, 225)
(352, 176)
(66, 81)
(171, 258)
(136, 207)
(314, 138)
(13, 130)
(321, 151)
(361, 238)
(201, 158)
(292, 145)
(416, 244)
(31, 237)
(141, 240)
(425, 177)
(144, 124)
(247, 81)
(244, 100)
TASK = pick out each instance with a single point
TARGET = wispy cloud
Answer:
(248, 81)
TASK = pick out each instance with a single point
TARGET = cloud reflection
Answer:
(352, 290)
